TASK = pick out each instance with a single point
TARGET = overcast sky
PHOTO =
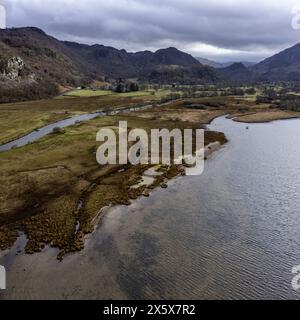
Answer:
(227, 30)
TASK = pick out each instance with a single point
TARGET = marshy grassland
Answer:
(53, 190)
(21, 118)
(267, 116)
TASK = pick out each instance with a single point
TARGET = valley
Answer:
(140, 231)
(53, 190)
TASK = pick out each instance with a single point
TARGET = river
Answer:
(231, 233)
(50, 128)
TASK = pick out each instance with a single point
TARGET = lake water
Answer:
(231, 233)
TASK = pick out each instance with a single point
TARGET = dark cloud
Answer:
(222, 30)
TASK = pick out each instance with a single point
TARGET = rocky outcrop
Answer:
(11, 68)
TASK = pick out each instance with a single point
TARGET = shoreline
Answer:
(102, 214)
(210, 149)
(263, 117)
(102, 265)
(94, 188)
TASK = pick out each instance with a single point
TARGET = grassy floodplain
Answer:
(53, 190)
(18, 119)
(21, 118)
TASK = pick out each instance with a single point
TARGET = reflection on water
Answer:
(232, 232)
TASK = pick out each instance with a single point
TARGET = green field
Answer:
(95, 93)
(88, 93)
(135, 94)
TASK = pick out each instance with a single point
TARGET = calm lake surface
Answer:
(231, 233)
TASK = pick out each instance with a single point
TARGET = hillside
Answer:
(219, 65)
(184, 75)
(236, 72)
(43, 56)
(107, 61)
(31, 60)
(34, 65)
(210, 63)
(284, 66)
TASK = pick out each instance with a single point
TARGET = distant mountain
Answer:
(69, 62)
(114, 63)
(171, 56)
(197, 74)
(236, 72)
(284, 66)
(219, 65)
(245, 63)
(207, 62)
(33, 65)
(29, 57)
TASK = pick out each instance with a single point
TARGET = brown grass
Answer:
(267, 116)
(42, 183)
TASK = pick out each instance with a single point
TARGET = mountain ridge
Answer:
(283, 66)
(34, 65)
(77, 60)
(220, 65)
(38, 63)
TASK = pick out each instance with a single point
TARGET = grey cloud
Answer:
(238, 30)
